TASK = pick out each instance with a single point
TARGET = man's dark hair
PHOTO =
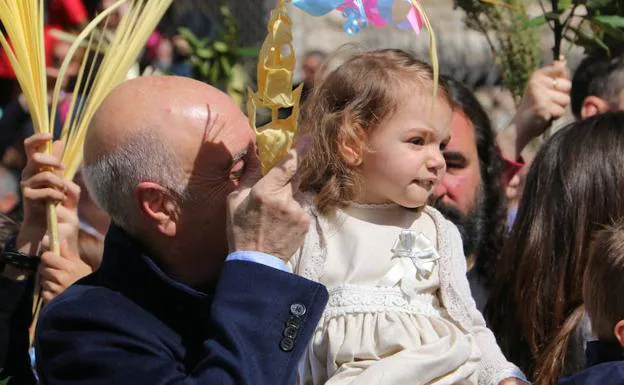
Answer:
(600, 74)
(491, 225)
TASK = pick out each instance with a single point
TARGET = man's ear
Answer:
(618, 330)
(158, 207)
(593, 105)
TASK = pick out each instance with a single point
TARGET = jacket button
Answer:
(294, 321)
(287, 344)
(297, 309)
(290, 332)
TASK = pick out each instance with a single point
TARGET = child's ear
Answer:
(618, 330)
(350, 148)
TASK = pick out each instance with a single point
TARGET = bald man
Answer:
(193, 287)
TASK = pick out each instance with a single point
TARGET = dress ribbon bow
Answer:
(418, 258)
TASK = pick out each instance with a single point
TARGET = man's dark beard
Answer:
(470, 226)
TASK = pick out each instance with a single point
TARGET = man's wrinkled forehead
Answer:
(227, 135)
(224, 123)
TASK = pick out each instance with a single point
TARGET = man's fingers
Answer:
(45, 179)
(57, 149)
(283, 173)
(560, 98)
(48, 194)
(557, 69)
(45, 160)
(561, 84)
(557, 111)
(40, 161)
(73, 194)
(36, 143)
(253, 175)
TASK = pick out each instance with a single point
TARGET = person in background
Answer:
(9, 293)
(598, 84)
(573, 188)
(602, 294)
(9, 192)
(311, 64)
(471, 193)
(604, 303)
(20, 260)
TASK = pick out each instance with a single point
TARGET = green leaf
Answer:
(205, 53)
(565, 4)
(589, 42)
(611, 20)
(535, 22)
(251, 52)
(227, 67)
(205, 70)
(189, 36)
(220, 46)
(215, 71)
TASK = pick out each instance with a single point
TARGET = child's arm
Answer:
(494, 368)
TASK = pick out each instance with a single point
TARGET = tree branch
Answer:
(557, 29)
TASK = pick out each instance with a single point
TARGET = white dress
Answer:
(387, 320)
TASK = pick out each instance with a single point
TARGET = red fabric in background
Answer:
(67, 14)
(6, 70)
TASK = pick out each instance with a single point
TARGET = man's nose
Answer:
(441, 190)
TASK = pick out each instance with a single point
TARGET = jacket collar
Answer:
(128, 269)
(602, 351)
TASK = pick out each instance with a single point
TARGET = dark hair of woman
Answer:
(573, 188)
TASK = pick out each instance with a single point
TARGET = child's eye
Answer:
(417, 141)
(443, 146)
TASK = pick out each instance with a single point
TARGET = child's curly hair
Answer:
(345, 107)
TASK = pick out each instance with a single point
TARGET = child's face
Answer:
(403, 162)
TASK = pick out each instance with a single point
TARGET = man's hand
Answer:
(264, 216)
(545, 99)
(42, 180)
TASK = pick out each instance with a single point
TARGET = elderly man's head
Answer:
(161, 156)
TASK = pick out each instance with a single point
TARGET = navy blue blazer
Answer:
(129, 323)
(605, 365)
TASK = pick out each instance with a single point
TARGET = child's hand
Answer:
(58, 272)
(67, 213)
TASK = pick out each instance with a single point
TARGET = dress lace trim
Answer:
(350, 299)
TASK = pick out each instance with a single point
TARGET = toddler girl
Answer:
(400, 309)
